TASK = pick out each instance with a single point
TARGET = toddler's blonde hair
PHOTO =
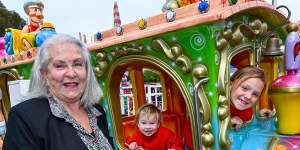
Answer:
(147, 110)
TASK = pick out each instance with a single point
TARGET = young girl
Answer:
(246, 87)
(151, 135)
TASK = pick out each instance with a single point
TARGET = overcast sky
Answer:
(91, 16)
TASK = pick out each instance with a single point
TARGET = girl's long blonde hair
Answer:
(245, 73)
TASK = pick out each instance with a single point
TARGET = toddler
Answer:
(151, 135)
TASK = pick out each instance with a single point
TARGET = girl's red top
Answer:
(245, 115)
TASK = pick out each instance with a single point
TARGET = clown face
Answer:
(36, 15)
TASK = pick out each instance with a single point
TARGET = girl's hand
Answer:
(236, 122)
(266, 112)
(133, 146)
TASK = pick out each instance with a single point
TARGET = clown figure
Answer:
(34, 9)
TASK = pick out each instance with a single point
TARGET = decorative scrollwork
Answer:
(199, 76)
(16, 73)
(221, 43)
(174, 52)
(101, 66)
(235, 34)
(13, 72)
(128, 50)
(102, 61)
(184, 63)
(224, 118)
(259, 27)
(223, 111)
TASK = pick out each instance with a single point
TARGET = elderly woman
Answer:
(61, 112)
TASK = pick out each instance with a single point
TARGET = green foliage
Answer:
(150, 76)
(1, 5)
(9, 19)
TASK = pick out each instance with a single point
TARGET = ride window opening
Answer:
(271, 68)
(269, 65)
(237, 62)
(153, 88)
(140, 85)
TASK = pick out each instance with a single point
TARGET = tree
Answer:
(9, 19)
(150, 76)
(1, 5)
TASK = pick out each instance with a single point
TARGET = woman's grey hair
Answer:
(37, 87)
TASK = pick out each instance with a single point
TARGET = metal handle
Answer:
(197, 110)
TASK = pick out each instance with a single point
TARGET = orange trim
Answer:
(187, 16)
(19, 61)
